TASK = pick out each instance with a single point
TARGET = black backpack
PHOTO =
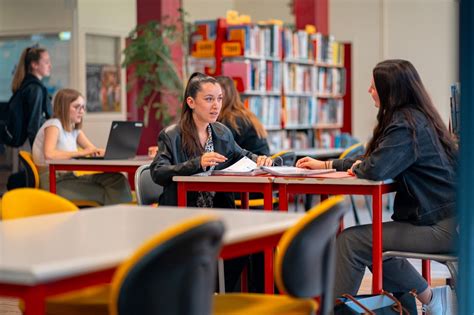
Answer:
(13, 131)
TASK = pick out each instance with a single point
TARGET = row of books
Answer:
(267, 109)
(309, 112)
(314, 48)
(256, 75)
(305, 139)
(266, 41)
(305, 79)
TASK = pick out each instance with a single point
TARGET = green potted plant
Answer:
(149, 53)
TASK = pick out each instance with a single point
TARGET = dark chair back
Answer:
(173, 273)
(148, 192)
(305, 262)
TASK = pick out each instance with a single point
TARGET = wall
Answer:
(422, 31)
(109, 18)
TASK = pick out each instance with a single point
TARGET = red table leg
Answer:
(35, 301)
(268, 271)
(268, 197)
(282, 197)
(377, 275)
(244, 200)
(426, 270)
(52, 179)
(182, 194)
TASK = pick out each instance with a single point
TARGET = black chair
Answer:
(304, 268)
(171, 274)
(147, 191)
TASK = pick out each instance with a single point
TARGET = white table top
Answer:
(329, 181)
(224, 179)
(138, 161)
(44, 248)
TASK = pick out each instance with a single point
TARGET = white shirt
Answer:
(67, 141)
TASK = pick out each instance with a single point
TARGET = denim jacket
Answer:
(425, 176)
(171, 160)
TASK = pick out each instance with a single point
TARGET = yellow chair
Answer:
(172, 273)
(25, 202)
(32, 178)
(285, 157)
(304, 268)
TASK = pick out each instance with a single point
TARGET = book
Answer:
(294, 171)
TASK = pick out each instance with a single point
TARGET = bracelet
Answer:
(326, 164)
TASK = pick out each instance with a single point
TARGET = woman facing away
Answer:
(247, 130)
(411, 145)
(59, 139)
(33, 66)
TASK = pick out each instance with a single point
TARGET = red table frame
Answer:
(129, 169)
(34, 296)
(244, 188)
(376, 191)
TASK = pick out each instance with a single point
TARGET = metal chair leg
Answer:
(354, 210)
(220, 275)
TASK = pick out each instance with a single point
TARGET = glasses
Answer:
(78, 108)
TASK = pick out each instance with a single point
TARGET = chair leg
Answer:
(368, 204)
(220, 275)
(454, 273)
(354, 210)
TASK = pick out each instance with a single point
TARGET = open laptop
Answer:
(124, 137)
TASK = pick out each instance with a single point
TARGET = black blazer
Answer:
(171, 160)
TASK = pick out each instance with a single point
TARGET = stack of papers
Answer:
(247, 167)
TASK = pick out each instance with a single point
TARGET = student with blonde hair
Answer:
(59, 138)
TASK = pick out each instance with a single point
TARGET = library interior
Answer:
(309, 76)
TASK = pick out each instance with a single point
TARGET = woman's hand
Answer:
(264, 160)
(152, 151)
(310, 163)
(211, 159)
(92, 152)
(351, 170)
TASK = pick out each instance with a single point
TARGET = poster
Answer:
(103, 88)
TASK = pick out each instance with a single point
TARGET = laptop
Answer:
(124, 137)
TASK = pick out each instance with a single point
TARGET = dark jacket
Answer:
(37, 104)
(171, 160)
(424, 175)
(248, 138)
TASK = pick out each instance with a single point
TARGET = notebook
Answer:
(124, 137)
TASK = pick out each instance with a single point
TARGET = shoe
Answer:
(441, 302)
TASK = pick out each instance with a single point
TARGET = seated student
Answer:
(412, 145)
(247, 130)
(198, 143)
(59, 138)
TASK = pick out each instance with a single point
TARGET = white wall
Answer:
(422, 31)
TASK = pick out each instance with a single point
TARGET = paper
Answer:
(294, 171)
(244, 166)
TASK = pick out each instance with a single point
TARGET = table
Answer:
(242, 184)
(128, 166)
(345, 186)
(46, 255)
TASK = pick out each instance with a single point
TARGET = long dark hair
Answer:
(189, 134)
(28, 56)
(232, 107)
(400, 88)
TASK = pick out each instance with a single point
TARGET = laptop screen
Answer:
(124, 138)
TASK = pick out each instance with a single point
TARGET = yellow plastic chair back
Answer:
(32, 176)
(352, 150)
(26, 202)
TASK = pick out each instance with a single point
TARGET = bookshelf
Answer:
(294, 81)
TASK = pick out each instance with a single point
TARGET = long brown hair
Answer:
(62, 105)
(28, 56)
(189, 133)
(400, 88)
(233, 108)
